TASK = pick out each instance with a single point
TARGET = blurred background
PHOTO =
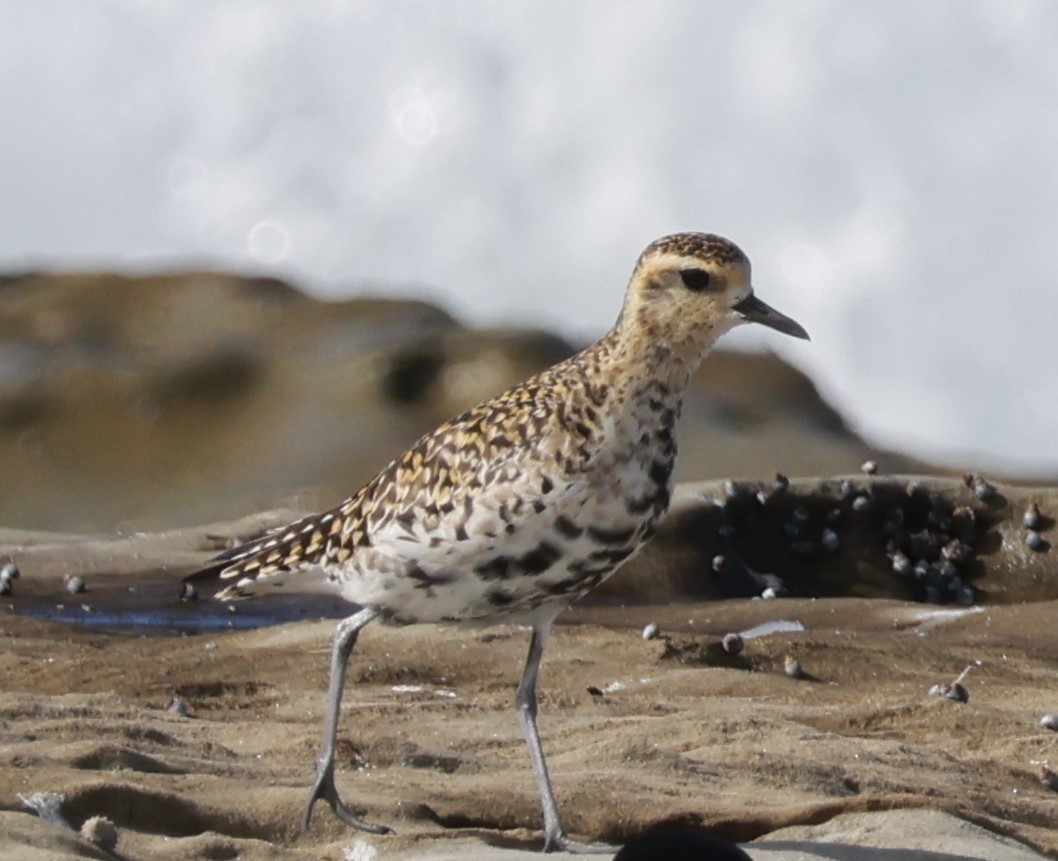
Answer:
(889, 166)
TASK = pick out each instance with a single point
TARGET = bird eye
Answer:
(695, 279)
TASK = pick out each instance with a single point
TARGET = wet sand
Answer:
(671, 731)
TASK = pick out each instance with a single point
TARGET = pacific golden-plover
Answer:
(518, 507)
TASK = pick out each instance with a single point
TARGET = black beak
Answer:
(755, 311)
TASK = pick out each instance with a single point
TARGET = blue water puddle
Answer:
(158, 619)
(171, 617)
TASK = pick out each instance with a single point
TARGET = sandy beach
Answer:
(671, 731)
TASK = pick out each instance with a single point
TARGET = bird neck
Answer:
(645, 358)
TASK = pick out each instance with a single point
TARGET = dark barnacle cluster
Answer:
(810, 529)
(930, 541)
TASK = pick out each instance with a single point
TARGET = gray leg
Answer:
(324, 788)
(525, 701)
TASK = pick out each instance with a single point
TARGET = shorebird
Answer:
(515, 509)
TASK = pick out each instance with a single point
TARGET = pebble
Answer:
(1034, 540)
(1050, 721)
(733, 644)
(100, 831)
(956, 551)
(830, 540)
(781, 483)
(188, 592)
(934, 594)
(902, 564)
(982, 488)
(846, 489)
(719, 563)
(75, 584)
(985, 491)
(178, 706)
(895, 516)
(595, 690)
(770, 593)
(956, 691)
(947, 570)
(869, 467)
(965, 596)
(1031, 518)
(861, 503)
(792, 667)
(8, 572)
(651, 631)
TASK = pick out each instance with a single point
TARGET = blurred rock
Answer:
(154, 401)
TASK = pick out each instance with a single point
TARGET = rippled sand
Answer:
(677, 731)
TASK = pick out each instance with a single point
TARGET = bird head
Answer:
(688, 289)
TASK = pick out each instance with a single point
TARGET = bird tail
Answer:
(267, 560)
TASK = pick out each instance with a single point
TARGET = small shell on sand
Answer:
(869, 467)
(733, 644)
(792, 667)
(8, 572)
(1050, 721)
(982, 488)
(1034, 540)
(651, 631)
(956, 691)
(74, 584)
(100, 831)
(1031, 518)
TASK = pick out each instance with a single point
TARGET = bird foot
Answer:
(560, 842)
(324, 789)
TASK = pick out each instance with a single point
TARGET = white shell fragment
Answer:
(1050, 721)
